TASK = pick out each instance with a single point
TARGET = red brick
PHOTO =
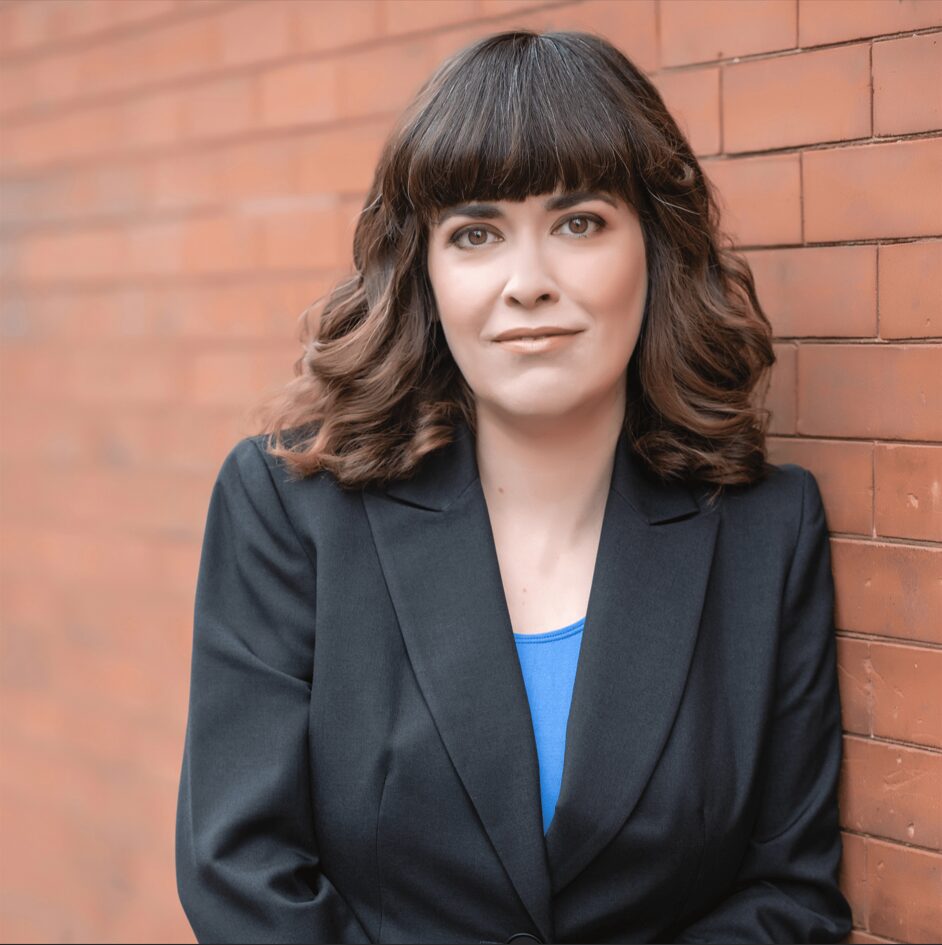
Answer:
(129, 695)
(445, 43)
(125, 373)
(907, 74)
(693, 31)
(497, 7)
(157, 120)
(348, 216)
(30, 26)
(18, 88)
(338, 160)
(42, 614)
(221, 378)
(81, 256)
(831, 21)
(853, 668)
(408, 16)
(248, 171)
(905, 683)
(872, 390)
(186, 182)
(888, 589)
(59, 78)
(92, 130)
(184, 49)
(908, 500)
(858, 937)
(52, 847)
(55, 436)
(844, 471)
(37, 926)
(29, 610)
(381, 78)
(905, 892)
(332, 24)
(910, 288)
(797, 99)
(256, 32)
(110, 313)
(221, 244)
(853, 876)
(818, 291)
(143, 10)
(632, 27)
(781, 394)
(24, 374)
(873, 191)
(94, 801)
(103, 314)
(97, 17)
(71, 559)
(153, 871)
(191, 440)
(66, 137)
(301, 93)
(156, 250)
(254, 309)
(772, 183)
(304, 238)
(892, 792)
(215, 109)
(693, 98)
(96, 498)
(179, 562)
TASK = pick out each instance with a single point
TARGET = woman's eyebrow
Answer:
(490, 211)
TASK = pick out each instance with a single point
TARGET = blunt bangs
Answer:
(513, 120)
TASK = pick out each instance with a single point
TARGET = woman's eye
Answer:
(582, 220)
(477, 235)
(470, 231)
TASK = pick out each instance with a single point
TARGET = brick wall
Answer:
(179, 179)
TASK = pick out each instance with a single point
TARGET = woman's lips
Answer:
(538, 345)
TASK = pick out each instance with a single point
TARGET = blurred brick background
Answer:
(179, 179)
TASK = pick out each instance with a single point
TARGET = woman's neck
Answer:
(549, 477)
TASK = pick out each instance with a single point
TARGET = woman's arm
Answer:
(247, 862)
(786, 889)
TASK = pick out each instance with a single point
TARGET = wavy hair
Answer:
(516, 114)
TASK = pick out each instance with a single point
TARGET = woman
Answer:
(519, 640)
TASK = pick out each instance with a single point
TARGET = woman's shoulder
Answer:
(248, 450)
(247, 472)
(270, 481)
(783, 504)
(782, 485)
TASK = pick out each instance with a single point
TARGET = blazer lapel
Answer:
(437, 552)
(648, 589)
(436, 547)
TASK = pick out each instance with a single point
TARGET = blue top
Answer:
(548, 661)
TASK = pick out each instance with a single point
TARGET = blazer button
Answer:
(521, 936)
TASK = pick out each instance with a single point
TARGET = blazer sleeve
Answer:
(787, 885)
(247, 862)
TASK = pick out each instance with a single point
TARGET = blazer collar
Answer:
(445, 474)
(436, 548)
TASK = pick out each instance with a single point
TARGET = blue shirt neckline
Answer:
(550, 634)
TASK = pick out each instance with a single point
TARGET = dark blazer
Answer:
(360, 762)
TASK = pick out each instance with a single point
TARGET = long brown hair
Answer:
(516, 114)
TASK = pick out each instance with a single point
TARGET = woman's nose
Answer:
(529, 282)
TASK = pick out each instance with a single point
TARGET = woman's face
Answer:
(578, 266)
